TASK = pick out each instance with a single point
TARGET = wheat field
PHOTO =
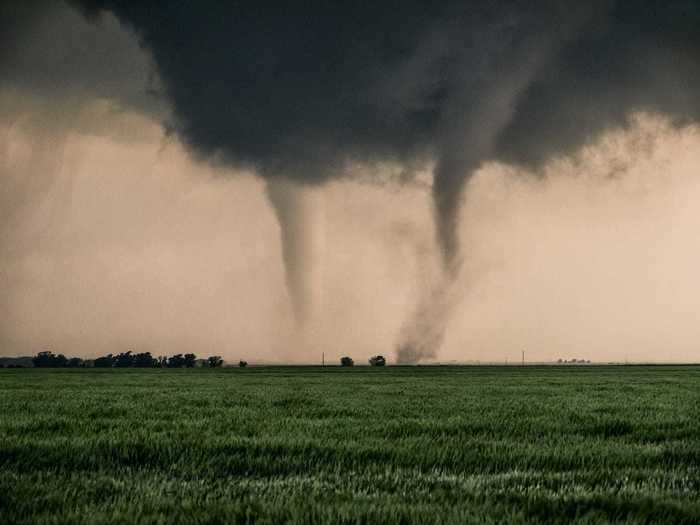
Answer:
(550, 444)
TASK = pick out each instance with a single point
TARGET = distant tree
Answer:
(190, 360)
(560, 360)
(242, 363)
(144, 360)
(176, 361)
(43, 359)
(214, 361)
(106, 361)
(346, 361)
(124, 360)
(74, 362)
(162, 361)
(377, 360)
(49, 360)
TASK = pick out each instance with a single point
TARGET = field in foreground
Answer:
(312, 445)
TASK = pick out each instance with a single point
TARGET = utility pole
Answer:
(323, 358)
(523, 357)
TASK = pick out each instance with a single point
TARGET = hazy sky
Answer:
(119, 232)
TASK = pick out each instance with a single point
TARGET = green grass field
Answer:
(331, 445)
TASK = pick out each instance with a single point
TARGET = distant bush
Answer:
(144, 360)
(49, 360)
(214, 361)
(346, 361)
(573, 361)
(176, 361)
(106, 361)
(377, 360)
(182, 361)
(75, 362)
(242, 363)
(124, 360)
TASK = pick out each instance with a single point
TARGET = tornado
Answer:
(299, 211)
(466, 144)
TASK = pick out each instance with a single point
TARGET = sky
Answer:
(269, 184)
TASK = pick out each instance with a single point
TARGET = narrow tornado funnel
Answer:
(298, 209)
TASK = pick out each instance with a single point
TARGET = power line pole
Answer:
(523, 357)
(323, 358)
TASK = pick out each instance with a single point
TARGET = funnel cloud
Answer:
(296, 211)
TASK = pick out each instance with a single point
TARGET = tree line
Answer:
(128, 359)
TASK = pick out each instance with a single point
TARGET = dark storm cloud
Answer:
(293, 90)
(631, 56)
(57, 62)
(299, 89)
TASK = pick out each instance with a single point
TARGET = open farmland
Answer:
(332, 445)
